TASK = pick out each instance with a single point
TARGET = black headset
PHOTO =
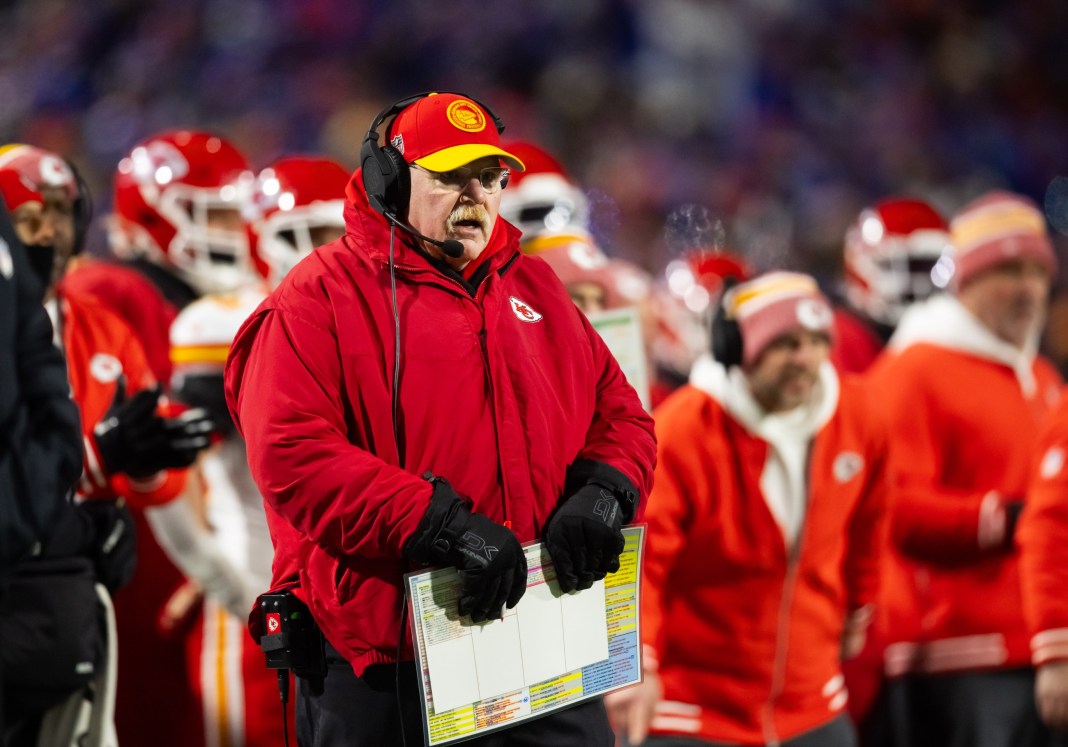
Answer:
(727, 343)
(82, 209)
(385, 172)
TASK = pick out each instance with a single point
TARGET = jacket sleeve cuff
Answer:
(589, 471)
(991, 528)
(860, 618)
(650, 661)
(1049, 646)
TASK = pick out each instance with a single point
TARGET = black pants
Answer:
(362, 712)
(838, 733)
(990, 709)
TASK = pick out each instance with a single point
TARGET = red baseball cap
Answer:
(444, 131)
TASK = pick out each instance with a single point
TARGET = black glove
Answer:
(1013, 508)
(114, 546)
(491, 562)
(134, 439)
(585, 537)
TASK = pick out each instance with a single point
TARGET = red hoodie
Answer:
(499, 393)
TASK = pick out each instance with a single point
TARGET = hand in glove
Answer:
(491, 562)
(1013, 508)
(585, 537)
(114, 547)
(134, 439)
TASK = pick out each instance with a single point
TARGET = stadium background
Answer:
(780, 118)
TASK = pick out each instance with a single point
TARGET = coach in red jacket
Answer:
(764, 530)
(965, 394)
(417, 393)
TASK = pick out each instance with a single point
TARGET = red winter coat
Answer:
(499, 393)
(1041, 539)
(744, 625)
(963, 435)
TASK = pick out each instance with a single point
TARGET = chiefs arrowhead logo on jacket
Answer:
(847, 465)
(523, 311)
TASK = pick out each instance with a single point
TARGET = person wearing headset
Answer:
(420, 393)
(764, 532)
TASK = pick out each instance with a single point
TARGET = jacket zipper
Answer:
(778, 672)
(485, 356)
(493, 413)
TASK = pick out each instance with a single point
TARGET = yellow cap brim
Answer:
(461, 155)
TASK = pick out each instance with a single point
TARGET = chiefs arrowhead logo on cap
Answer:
(814, 314)
(463, 115)
(523, 311)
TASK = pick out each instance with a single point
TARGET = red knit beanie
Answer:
(998, 227)
(775, 304)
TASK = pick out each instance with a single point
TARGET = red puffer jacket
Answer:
(500, 393)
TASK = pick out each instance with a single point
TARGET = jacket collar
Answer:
(944, 322)
(731, 390)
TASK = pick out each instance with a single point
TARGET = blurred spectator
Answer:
(764, 534)
(964, 393)
(786, 118)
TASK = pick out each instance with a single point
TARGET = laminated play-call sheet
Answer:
(552, 650)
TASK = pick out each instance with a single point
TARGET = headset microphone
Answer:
(451, 247)
(386, 178)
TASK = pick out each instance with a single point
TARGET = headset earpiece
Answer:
(727, 342)
(386, 178)
(82, 209)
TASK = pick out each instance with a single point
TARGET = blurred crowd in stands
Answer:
(781, 118)
(686, 137)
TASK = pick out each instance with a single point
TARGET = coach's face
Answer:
(456, 205)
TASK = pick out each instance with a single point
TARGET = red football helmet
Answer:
(298, 204)
(890, 251)
(179, 200)
(543, 197)
(697, 277)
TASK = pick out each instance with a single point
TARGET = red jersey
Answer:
(100, 348)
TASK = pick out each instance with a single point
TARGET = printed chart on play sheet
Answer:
(551, 650)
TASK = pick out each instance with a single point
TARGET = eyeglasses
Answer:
(492, 178)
